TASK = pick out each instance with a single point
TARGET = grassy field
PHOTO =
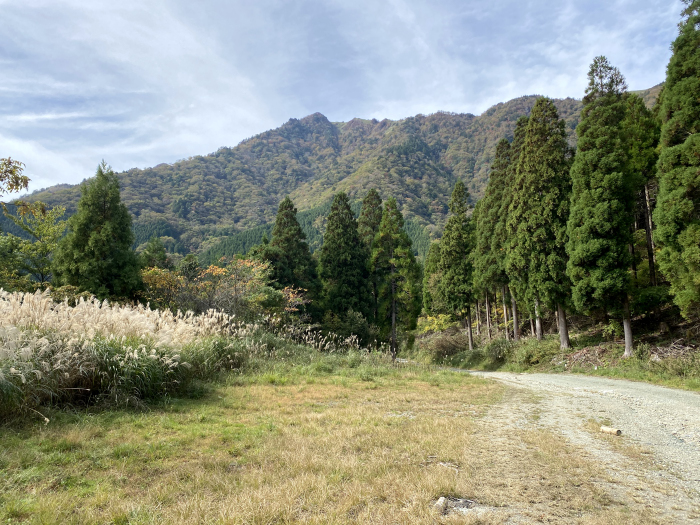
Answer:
(327, 442)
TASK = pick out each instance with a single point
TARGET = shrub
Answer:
(440, 346)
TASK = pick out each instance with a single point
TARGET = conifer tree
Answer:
(488, 260)
(539, 211)
(456, 265)
(677, 214)
(370, 218)
(395, 265)
(96, 254)
(599, 228)
(503, 238)
(367, 227)
(431, 278)
(343, 262)
(642, 130)
(154, 255)
(289, 253)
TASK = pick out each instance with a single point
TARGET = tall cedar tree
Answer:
(456, 245)
(677, 214)
(539, 211)
(367, 227)
(344, 267)
(399, 274)
(502, 230)
(431, 278)
(488, 259)
(289, 253)
(96, 253)
(643, 132)
(602, 199)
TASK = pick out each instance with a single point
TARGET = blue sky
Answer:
(140, 82)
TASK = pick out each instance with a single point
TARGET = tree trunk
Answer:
(505, 312)
(393, 319)
(563, 328)
(627, 324)
(633, 256)
(488, 316)
(516, 327)
(538, 320)
(651, 249)
(532, 327)
(469, 328)
(478, 319)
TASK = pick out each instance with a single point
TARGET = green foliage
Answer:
(96, 254)
(432, 303)
(489, 252)
(11, 178)
(370, 218)
(455, 266)
(202, 200)
(288, 252)
(676, 215)
(44, 229)
(599, 228)
(539, 210)
(343, 262)
(154, 255)
(398, 275)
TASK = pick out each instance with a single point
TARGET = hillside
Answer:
(200, 202)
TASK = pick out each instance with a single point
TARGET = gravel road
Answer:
(655, 463)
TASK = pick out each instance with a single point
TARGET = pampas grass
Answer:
(97, 352)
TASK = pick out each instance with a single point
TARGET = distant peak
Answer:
(315, 117)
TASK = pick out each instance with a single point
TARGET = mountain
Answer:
(218, 204)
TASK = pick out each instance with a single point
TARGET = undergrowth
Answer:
(590, 354)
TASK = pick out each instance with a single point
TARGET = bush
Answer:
(531, 352)
(440, 346)
(499, 351)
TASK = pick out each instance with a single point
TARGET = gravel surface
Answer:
(656, 461)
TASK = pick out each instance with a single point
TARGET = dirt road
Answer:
(656, 461)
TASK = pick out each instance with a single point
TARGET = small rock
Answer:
(440, 505)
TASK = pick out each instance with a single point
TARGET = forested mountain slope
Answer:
(202, 200)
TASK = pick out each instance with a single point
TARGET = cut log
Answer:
(610, 430)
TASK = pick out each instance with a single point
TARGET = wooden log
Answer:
(610, 430)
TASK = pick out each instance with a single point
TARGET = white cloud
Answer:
(150, 81)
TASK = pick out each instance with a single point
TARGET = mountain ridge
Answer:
(196, 203)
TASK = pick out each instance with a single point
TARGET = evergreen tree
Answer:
(502, 237)
(455, 265)
(489, 261)
(343, 262)
(289, 253)
(154, 255)
(399, 274)
(431, 278)
(96, 253)
(539, 211)
(370, 218)
(677, 214)
(599, 228)
(642, 130)
(367, 227)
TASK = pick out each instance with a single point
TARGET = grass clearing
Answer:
(316, 443)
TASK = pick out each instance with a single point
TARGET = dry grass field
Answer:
(324, 447)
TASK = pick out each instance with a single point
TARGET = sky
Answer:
(141, 82)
